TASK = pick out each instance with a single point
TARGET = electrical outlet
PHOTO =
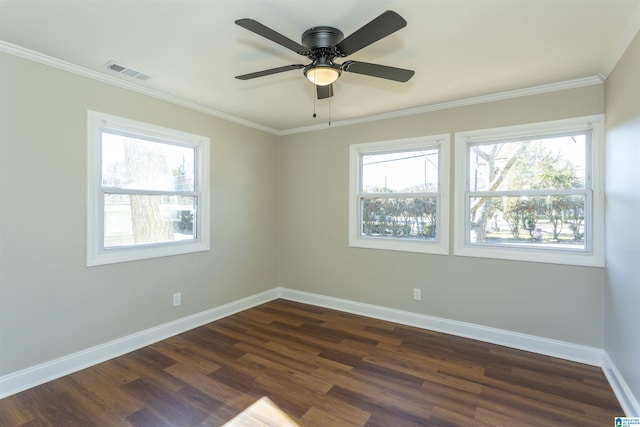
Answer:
(417, 294)
(177, 299)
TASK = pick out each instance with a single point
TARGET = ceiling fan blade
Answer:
(324, 91)
(268, 33)
(270, 71)
(376, 70)
(387, 23)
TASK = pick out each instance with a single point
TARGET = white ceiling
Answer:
(459, 49)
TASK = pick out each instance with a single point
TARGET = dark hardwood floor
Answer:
(322, 368)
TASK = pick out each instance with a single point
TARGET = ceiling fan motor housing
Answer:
(321, 37)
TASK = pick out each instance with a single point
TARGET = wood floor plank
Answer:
(316, 417)
(446, 416)
(321, 367)
(205, 383)
(311, 359)
(278, 360)
(538, 413)
(347, 413)
(13, 412)
(165, 404)
(498, 419)
(185, 356)
(283, 371)
(50, 407)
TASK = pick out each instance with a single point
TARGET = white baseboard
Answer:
(39, 374)
(546, 346)
(623, 393)
(16, 382)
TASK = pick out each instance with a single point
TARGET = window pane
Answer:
(146, 165)
(541, 164)
(139, 219)
(399, 218)
(549, 221)
(400, 172)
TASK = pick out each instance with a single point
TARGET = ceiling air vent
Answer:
(121, 69)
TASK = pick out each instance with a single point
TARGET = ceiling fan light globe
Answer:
(322, 76)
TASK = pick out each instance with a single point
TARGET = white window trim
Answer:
(441, 244)
(96, 253)
(594, 255)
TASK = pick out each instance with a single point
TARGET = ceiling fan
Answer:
(322, 45)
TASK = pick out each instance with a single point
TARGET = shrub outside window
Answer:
(532, 192)
(147, 191)
(398, 195)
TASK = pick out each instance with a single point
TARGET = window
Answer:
(532, 192)
(148, 191)
(398, 195)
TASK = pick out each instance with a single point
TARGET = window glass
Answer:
(408, 218)
(547, 163)
(400, 172)
(539, 187)
(142, 165)
(141, 219)
(554, 221)
(130, 162)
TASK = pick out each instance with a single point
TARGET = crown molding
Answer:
(140, 88)
(125, 84)
(500, 96)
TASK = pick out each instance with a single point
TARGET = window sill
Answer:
(402, 245)
(532, 255)
(126, 254)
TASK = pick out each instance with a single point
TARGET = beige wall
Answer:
(552, 301)
(622, 289)
(51, 304)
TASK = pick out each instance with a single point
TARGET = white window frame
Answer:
(97, 254)
(441, 243)
(593, 255)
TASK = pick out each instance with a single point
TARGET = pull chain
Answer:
(314, 100)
